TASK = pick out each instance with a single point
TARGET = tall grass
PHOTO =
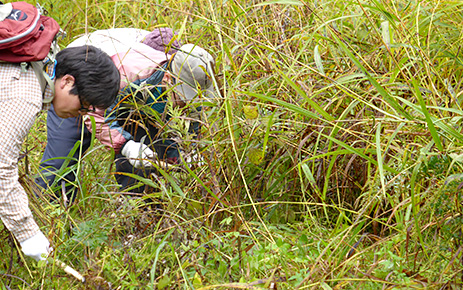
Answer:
(332, 160)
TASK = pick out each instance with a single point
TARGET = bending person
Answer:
(85, 77)
(150, 78)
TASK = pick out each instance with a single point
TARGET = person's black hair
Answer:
(97, 79)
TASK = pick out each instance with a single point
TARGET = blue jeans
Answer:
(63, 135)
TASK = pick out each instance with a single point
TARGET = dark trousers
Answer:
(61, 152)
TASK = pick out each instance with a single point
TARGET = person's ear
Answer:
(167, 78)
(67, 80)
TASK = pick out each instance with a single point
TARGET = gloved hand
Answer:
(139, 154)
(36, 246)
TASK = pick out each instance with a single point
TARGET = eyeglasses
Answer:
(85, 110)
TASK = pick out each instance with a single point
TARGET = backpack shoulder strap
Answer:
(40, 68)
(43, 78)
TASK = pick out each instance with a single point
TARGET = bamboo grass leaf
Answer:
(267, 133)
(306, 97)
(358, 152)
(390, 100)
(379, 7)
(437, 122)
(385, 33)
(196, 177)
(336, 153)
(379, 157)
(284, 2)
(156, 257)
(292, 107)
(429, 121)
(345, 79)
(318, 60)
(171, 180)
(144, 180)
(308, 174)
(92, 138)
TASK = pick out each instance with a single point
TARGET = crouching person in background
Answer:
(156, 71)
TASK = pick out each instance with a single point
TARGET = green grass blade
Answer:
(295, 108)
(284, 2)
(318, 60)
(358, 152)
(390, 100)
(429, 121)
(303, 94)
(379, 157)
(444, 127)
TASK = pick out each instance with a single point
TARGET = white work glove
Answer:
(139, 154)
(37, 247)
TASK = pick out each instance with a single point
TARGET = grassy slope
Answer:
(332, 162)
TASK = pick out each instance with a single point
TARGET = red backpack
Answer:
(27, 36)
